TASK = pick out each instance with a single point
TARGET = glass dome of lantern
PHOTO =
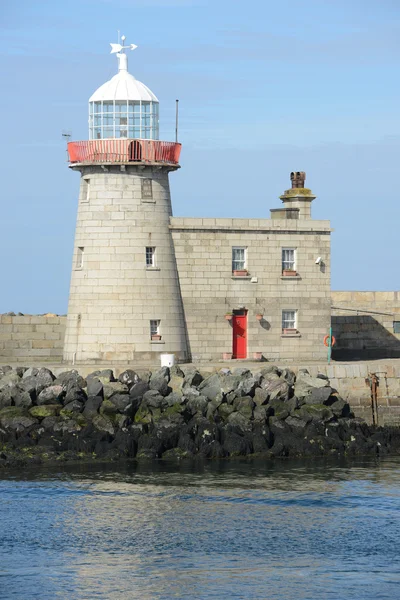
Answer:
(123, 107)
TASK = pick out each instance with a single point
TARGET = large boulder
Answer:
(44, 379)
(92, 406)
(129, 378)
(21, 397)
(29, 385)
(154, 399)
(6, 397)
(10, 379)
(114, 387)
(30, 372)
(159, 383)
(121, 402)
(138, 390)
(94, 387)
(318, 395)
(50, 395)
(197, 404)
(305, 384)
(70, 377)
(193, 379)
(103, 423)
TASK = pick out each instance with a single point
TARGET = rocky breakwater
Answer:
(172, 414)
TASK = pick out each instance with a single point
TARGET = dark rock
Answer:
(72, 407)
(103, 423)
(159, 383)
(239, 421)
(6, 398)
(149, 446)
(295, 423)
(261, 396)
(197, 404)
(5, 369)
(29, 385)
(21, 398)
(224, 410)
(247, 386)
(9, 379)
(154, 399)
(244, 406)
(138, 390)
(30, 372)
(18, 424)
(20, 371)
(305, 384)
(50, 395)
(318, 395)
(106, 376)
(69, 378)
(121, 401)
(73, 391)
(107, 408)
(44, 379)
(235, 445)
(49, 422)
(129, 378)
(317, 412)
(114, 387)
(289, 376)
(92, 406)
(193, 379)
(340, 408)
(277, 388)
(94, 387)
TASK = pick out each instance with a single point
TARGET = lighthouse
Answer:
(125, 302)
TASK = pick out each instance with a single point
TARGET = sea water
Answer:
(229, 529)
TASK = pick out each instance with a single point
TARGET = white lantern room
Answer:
(123, 107)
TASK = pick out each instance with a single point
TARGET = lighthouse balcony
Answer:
(124, 151)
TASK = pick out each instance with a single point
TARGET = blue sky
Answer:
(264, 88)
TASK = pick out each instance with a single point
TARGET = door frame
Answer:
(241, 312)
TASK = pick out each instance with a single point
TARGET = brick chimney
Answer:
(298, 179)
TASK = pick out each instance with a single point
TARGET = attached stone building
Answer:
(146, 283)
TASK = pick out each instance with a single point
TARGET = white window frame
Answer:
(289, 322)
(154, 327)
(150, 257)
(79, 258)
(239, 264)
(288, 264)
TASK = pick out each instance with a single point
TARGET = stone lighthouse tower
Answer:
(125, 302)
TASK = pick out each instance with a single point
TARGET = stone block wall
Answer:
(363, 325)
(203, 249)
(31, 338)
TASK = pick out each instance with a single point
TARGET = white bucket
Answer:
(167, 360)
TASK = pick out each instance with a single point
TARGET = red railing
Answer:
(123, 151)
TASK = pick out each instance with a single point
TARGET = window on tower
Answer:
(150, 256)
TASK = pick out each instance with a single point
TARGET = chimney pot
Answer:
(298, 179)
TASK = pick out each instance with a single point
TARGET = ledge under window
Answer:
(296, 334)
(290, 277)
(157, 342)
(242, 277)
(153, 269)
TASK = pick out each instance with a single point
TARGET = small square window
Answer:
(150, 256)
(239, 259)
(147, 189)
(155, 329)
(289, 320)
(79, 257)
(289, 260)
(396, 326)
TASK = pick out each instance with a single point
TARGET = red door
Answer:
(239, 326)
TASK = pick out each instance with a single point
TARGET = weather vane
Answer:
(118, 47)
